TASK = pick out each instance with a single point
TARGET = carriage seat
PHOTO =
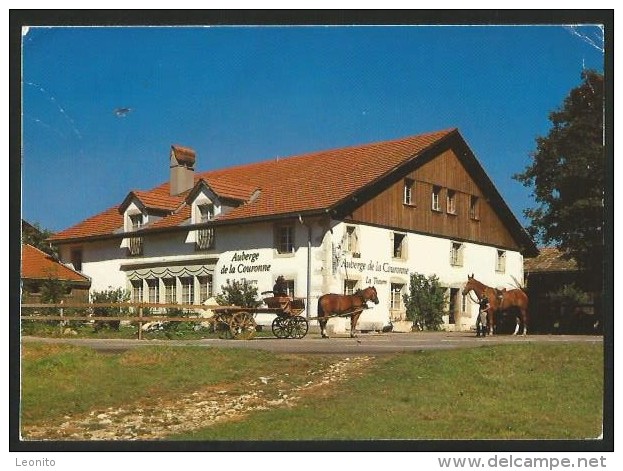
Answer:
(277, 302)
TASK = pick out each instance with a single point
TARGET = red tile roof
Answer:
(104, 223)
(228, 188)
(305, 183)
(174, 219)
(159, 198)
(321, 179)
(39, 265)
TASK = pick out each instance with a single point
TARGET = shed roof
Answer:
(38, 265)
(550, 259)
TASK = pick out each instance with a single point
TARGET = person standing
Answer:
(481, 321)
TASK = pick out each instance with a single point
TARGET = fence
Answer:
(133, 308)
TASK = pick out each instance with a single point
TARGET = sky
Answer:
(103, 105)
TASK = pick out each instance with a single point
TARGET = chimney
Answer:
(182, 165)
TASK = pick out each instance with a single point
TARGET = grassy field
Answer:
(523, 391)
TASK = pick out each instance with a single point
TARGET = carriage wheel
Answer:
(298, 327)
(243, 326)
(281, 327)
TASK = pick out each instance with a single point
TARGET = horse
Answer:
(500, 300)
(343, 304)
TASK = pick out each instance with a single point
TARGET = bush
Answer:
(570, 295)
(110, 295)
(238, 293)
(426, 302)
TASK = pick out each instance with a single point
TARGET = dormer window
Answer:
(206, 212)
(136, 222)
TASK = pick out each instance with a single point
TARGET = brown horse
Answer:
(330, 305)
(501, 300)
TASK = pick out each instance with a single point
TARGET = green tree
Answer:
(567, 174)
(35, 235)
(53, 290)
(426, 301)
(238, 293)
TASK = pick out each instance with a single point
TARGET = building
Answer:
(329, 221)
(39, 268)
(550, 272)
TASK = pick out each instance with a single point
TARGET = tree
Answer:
(238, 293)
(35, 235)
(426, 302)
(567, 174)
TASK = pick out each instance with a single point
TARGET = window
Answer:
(473, 207)
(205, 239)
(290, 287)
(32, 288)
(456, 254)
(463, 303)
(76, 259)
(396, 296)
(205, 288)
(452, 308)
(500, 263)
(137, 291)
(399, 245)
(136, 221)
(351, 239)
(408, 192)
(435, 205)
(135, 244)
(169, 291)
(285, 239)
(206, 212)
(153, 289)
(188, 289)
(451, 202)
(350, 286)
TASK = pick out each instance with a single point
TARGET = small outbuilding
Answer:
(561, 300)
(39, 268)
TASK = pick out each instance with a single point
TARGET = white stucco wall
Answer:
(247, 252)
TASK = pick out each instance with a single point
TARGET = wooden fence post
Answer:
(61, 324)
(140, 324)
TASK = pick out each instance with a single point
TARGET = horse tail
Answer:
(518, 285)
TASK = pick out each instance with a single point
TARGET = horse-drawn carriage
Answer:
(233, 322)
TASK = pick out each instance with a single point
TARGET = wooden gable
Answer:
(448, 175)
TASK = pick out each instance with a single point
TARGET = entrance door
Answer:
(453, 308)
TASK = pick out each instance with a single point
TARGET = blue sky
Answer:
(244, 94)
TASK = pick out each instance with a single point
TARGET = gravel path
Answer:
(202, 408)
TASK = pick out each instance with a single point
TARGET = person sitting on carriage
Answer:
(481, 321)
(281, 287)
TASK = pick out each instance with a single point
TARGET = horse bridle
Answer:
(470, 296)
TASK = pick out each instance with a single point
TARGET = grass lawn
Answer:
(520, 391)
